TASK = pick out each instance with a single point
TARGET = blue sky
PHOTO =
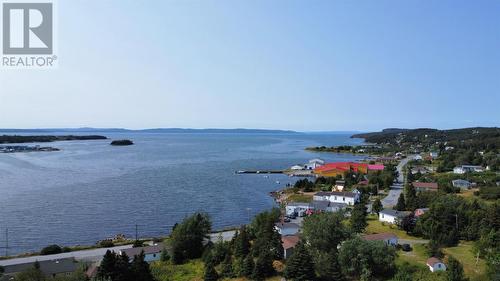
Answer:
(301, 65)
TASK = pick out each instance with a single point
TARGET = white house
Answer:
(296, 168)
(435, 264)
(391, 216)
(296, 207)
(349, 198)
(314, 163)
(433, 155)
(418, 158)
(461, 184)
(151, 253)
(388, 238)
(339, 185)
(467, 169)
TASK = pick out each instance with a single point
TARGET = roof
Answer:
(147, 250)
(394, 213)
(344, 166)
(432, 261)
(337, 193)
(428, 185)
(317, 160)
(48, 267)
(379, 236)
(287, 225)
(320, 205)
(376, 167)
(297, 204)
(289, 241)
(460, 181)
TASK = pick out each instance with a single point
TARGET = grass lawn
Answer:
(190, 271)
(300, 198)
(417, 257)
(463, 253)
(374, 226)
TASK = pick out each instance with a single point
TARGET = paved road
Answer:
(85, 255)
(413, 241)
(392, 198)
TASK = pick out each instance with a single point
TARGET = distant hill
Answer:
(429, 136)
(157, 130)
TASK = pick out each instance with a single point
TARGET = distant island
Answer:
(31, 139)
(122, 142)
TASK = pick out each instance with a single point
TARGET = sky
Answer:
(272, 64)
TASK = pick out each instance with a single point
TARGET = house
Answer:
(418, 158)
(296, 168)
(349, 198)
(425, 186)
(463, 184)
(50, 268)
(433, 154)
(468, 169)
(420, 211)
(314, 163)
(419, 169)
(388, 238)
(301, 209)
(152, 253)
(435, 264)
(391, 216)
(339, 185)
(287, 228)
(296, 207)
(289, 243)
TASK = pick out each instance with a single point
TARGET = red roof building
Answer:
(425, 186)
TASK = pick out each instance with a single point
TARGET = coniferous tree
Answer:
(107, 269)
(299, 266)
(248, 266)
(377, 206)
(227, 268)
(455, 271)
(358, 218)
(242, 243)
(263, 267)
(401, 205)
(122, 268)
(326, 266)
(210, 272)
(140, 269)
(164, 255)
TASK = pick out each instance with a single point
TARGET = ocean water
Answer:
(90, 190)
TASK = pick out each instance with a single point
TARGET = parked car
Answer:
(406, 247)
(286, 219)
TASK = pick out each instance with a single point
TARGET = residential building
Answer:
(287, 228)
(435, 264)
(301, 208)
(50, 268)
(425, 186)
(418, 158)
(289, 243)
(151, 253)
(314, 163)
(339, 185)
(296, 207)
(463, 184)
(391, 216)
(433, 155)
(419, 169)
(349, 198)
(468, 169)
(297, 168)
(388, 238)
